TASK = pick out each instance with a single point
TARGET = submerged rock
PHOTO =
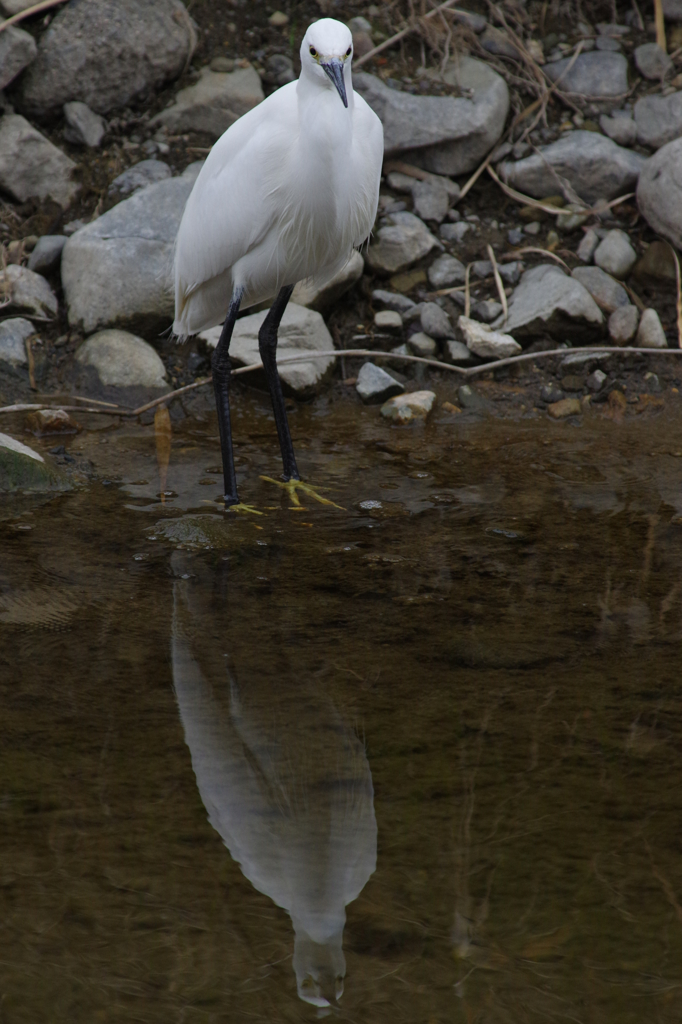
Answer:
(443, 134)
(301, 331)
(23, 469)
(416, 405)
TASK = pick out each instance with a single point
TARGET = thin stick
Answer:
(555, 210)
(467, 291)
(471, 371)
(36, 9)
(515, 253)
(660, 25)
(498, 283)
(401, 35)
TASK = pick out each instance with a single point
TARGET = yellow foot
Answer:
(292, 486)
(242, 509)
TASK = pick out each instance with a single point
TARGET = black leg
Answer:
(221, 385)
(267, 344)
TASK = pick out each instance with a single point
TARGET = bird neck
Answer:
(322, 116)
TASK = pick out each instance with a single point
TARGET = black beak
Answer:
(334, 70)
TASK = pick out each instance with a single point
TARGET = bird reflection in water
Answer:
(287, 786)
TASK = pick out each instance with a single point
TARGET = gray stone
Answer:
(623, 324)
(650, 333)
(435, 322)
(623, 130)
(658, 119)
(446, 271)
(279, 67)
(510, 272)
(13, 335)
(594, 75)
(443, 134)
(589, 243)
(422, 345)
(458, 353)
(416, 405)
(17, 50)
(487, 310)
(144, 173)
(301, 332)
(515, 236)
(323, 294)
(606, 292)
(454, 232)
(659, 192)
(394, 300)
(607, 43)
(29, 291)
(497, 42)
(615, 254)
(30, 166)
(375, 385)
(595, 381)
(400, 244)
(388, 320)
(430, 199)
(533, 228)
(116, 271)
(123, 360)
(486, 343)
(213, 103)
(547, 301)
(482, 269)
(652, 61)
(107, 53)
(400, 182)
(672, 9)
(594, 166)
(471, 400)
(47, 253)
(84, 126)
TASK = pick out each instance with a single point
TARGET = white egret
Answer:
(287, 786)
(285, 194)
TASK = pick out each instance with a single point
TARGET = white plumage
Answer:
(286, 785)
(285, 193)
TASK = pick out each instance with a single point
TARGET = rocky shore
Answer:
(566, 239)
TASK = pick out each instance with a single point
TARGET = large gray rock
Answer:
(30, 166)
(658, 119)
(29, 291)
(443, 134)
(607, 293)
(214, 102)
(652, 61)
(595, 74)
(400, 243)
(17, 50)
(547, 301)
(123, 360)
(594, 166)
(659, 192)
(83, 126)
(146, 172)
(301, 331)
(13, 336)
(322, 296)
(107, 53)
(116, 271)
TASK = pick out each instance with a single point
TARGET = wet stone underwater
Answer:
(420, 754)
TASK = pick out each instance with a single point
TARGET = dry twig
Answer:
(413, 27)
(498, 283)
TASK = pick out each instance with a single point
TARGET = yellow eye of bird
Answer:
(313, 51)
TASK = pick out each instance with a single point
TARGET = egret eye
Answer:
(313, 51)
(348, 51)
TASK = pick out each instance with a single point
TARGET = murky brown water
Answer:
(456, 709)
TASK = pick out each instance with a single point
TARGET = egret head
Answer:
(320, 967)
(326, 53)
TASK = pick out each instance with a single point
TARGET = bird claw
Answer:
(243, 509)
(292, 486)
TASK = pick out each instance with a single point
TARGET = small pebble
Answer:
(623, 324)
(565, 407)
(595, 381)
(533, 228)
(388, 320)
(422, 345)
(650, 333)
(588, 245)
(404, 408)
